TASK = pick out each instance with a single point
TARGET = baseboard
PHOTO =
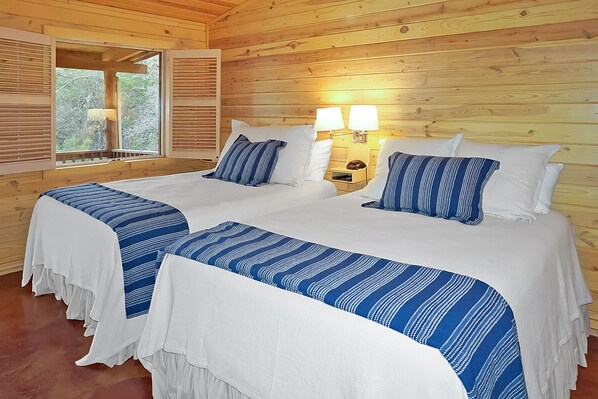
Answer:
(12, 269)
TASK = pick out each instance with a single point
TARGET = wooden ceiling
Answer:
(191, 10)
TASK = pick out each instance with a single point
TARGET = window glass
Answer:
(139, 100)
(80, 123)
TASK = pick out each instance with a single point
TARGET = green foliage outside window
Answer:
(79, 90)
(140, 107)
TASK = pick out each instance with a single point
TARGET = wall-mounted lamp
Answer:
(99, 114)
(362, 119)
(329, 119)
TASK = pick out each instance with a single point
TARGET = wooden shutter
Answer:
(193, 106)
(27, 92)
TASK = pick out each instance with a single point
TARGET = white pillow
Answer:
(319, 157)
(292, 159)
(434, 147)
(513, 190)
(550, 178)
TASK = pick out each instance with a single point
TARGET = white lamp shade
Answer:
(99, 114)
(95, 114)
(363, 118)
(329, 119)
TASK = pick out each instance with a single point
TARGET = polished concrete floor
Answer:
(38, 349)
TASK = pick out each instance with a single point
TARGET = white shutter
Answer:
(27, 93)
(193, 106)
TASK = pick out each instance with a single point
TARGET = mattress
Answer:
(264, 342)
(77, 258)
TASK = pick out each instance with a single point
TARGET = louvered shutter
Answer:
(27, 92)
(193, 111)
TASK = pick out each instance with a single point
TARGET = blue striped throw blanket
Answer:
(465, 319)
(143, 227)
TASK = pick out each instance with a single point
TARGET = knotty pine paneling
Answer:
(197, 10)
(76, 20)
(19, 192)
(506, 71)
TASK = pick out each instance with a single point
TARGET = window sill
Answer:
(106, 161)
(101, 157)
(112, 170)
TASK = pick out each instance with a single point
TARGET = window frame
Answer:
(91, 157)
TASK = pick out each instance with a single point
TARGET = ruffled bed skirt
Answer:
(571, 354)
(78, 300)
(173, 377)
(79, 303)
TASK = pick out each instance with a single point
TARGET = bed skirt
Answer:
(571, 354)
(174, 377)
(79, 303)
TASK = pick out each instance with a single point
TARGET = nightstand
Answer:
(348, 180)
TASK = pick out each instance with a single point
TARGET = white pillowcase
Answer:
(318, 161)
(513, 190)
(548, 183)
(434, 147)
(292, 159)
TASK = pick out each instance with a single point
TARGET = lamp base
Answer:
(360, 137)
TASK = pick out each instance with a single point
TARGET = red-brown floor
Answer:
(38, 349)
(39, 346)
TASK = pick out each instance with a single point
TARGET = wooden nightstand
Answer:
(348, 180)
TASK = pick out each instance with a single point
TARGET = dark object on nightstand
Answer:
(345, 177)
(356, 164)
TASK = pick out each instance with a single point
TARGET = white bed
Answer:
(212, 333)
(77, 257)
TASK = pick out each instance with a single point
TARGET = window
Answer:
(63, 103)
(107, 103)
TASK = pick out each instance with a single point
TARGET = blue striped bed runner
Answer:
(142, 226)
(468, 321)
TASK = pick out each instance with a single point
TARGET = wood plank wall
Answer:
(76, 20)
(509, 71)
(72, 19)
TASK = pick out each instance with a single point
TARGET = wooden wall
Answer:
(75, 20)
(512, 71)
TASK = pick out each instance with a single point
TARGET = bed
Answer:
(213, 333)
(76, 257)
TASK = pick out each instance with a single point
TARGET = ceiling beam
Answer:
(143, 56)
(93, 61)
(119, 54)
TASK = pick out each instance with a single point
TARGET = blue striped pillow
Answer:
(445, 187)
(248, 163)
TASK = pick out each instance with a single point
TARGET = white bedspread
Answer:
(69, 251)
(270, 343)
